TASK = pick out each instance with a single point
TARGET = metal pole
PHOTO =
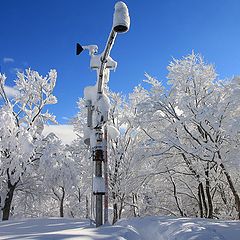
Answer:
(99, 152)
(104, 57)
(99, 204)
(121, 23)
(105, 176)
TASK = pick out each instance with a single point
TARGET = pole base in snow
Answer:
(99, 210)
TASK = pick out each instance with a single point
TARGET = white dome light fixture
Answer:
(121, 19)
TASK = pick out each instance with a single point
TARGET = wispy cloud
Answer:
(8, 60)
(63, 131)
(67, 120)
(15, 70)
(10, 91)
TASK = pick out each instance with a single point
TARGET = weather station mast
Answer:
(98, 105)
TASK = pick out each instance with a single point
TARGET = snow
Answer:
(87, 134)
(154, 228)
(95, 61)
(121, 15)
(103, 105)
(90, 93)
(93, 140)
(59, 228)
(113, 132)
(170, 228)
(111, 64)
(91, 48)
(98, 185)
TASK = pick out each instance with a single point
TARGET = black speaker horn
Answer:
(79, 49)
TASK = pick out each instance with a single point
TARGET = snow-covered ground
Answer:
(153, 228)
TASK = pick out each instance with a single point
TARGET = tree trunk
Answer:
(8, 201)
(201, 195)
(209, 197)
(232, 187)
(175, 196)
(135, 208)
(121, 207)
(200, 202)
(203, 199)
(87, 208)
(115, 213)
(61, 202)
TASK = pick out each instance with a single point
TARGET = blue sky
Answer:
(42, 34)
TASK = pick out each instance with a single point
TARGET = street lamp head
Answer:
(121, 19)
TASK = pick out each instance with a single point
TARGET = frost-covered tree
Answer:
(56, 188)
(58, 170)
(192, 125)
(81, 197)
(21, 124)
(177, 148)
(81, 154)
(127, 170)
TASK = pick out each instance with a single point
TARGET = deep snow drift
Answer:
(153, 228)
